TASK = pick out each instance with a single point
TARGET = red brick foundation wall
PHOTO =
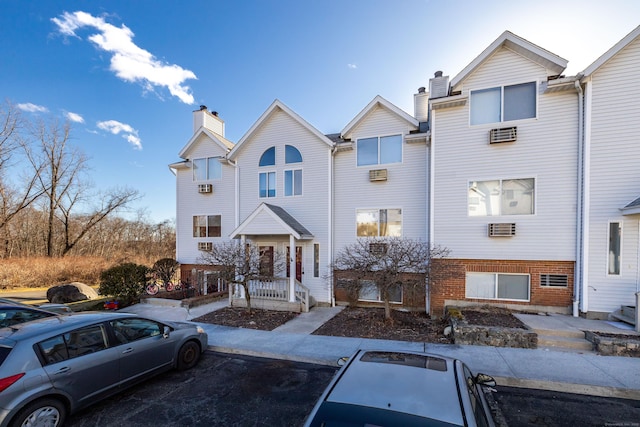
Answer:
(453, 288)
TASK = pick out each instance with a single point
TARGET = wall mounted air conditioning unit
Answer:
(205, 246)
(506, 229)
(497, 136)
(377, 175)
(205, 188)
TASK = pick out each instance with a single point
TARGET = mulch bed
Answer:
(358, 322)
(493, 317)
(264, 320)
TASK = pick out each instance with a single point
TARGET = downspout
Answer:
(586, 196)
(330, 290)
(431, 196)
(577, 283)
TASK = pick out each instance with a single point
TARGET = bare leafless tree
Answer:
(389, 263)
(242, 263)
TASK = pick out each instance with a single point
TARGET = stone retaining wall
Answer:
(464, 333)
(618, 346)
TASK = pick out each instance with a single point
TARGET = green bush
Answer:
(125, 282)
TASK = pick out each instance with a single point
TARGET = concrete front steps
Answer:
(563, 340)
(626, 314)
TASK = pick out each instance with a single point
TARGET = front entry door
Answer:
(298, 263)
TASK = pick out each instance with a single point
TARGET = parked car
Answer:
(49, 306)
(54, 366)
(385, 388)
(15, 314)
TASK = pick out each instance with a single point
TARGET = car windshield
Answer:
(10, 316)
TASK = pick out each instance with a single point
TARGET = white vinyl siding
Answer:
(614, 177)
(545, 150)
(310, 208)
(406, 187)
(189, 202)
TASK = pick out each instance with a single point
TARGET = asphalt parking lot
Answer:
(232, 390)
(222, 390)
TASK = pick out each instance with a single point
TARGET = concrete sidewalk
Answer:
(548, 369)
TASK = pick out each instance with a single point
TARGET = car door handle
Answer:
(128, 350)
(63, 370)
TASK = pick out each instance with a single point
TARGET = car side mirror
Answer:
(165, 332)
(484, 379)
(343, 361)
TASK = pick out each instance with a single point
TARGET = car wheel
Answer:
(188, 355)
(43, 412)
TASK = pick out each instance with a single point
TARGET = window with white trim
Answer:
(501, 197)
(267, 184)
(379, 222)
(206, 168)
(293, 182)
(503, 103)
(207, 226)
(369, 291)
(268, 158)
(615, 248)
(379, 150)
(512, 287)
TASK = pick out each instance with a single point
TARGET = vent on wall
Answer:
(377, 175)
(497, 136)
(205, 246)
(205, 188)
(505, 229)
(554, 280)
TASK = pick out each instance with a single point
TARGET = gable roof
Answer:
(224, 143)
(378, 101)
(283, 223)
(276, 106)
(518, 45)
(632, 208)
(604, 58)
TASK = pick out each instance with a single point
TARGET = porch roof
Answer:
(632, 208)
(269, 220)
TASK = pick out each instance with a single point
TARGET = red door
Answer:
(298, 263)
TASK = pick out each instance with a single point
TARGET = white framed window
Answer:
(206, 169)
(501, 197)
(292, 154)
(379, 222)
(268, 158)
(293, 182)
(369, 291)
(503, 103)
(267, 184)
(379, 150)
(501, 286)
(207, 226)
(615, 248)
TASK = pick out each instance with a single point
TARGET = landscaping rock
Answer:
(71, 292)
(615, 344)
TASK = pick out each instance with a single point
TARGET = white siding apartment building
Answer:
(527, 176)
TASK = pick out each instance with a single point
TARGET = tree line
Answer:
(48, 206)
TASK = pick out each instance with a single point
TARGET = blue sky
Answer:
(128, 74)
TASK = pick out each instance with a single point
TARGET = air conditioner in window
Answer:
(205, 188)
(497, 136)
(205, 246)
(506, 229)
(377, 175)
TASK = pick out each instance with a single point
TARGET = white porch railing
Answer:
(276, 290)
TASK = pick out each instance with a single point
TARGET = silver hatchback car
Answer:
(54, 366)
(392, 388)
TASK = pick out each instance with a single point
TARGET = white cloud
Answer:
(74, 117)
(352, 66)
(128, 61)
(115, 127)
(32, 108)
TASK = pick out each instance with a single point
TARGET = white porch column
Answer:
(292, 268)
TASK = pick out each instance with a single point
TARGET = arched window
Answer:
(292, 155)
(268, 158)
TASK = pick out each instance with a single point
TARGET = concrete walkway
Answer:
(543, 368)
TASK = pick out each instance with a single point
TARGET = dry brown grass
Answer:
(45, 272)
